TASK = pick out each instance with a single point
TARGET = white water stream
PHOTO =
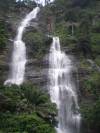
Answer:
(63, 90)
(19, 52)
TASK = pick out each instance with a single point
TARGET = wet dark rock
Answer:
(36, 71)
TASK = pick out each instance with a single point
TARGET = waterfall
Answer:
(43, 2)
(62, 89)
(19, 52)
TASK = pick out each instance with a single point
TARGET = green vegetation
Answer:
(91, 114)
(26, 109)
(3, 35)
(90, 101)
(36, 41)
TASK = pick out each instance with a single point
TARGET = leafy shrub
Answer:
(25, 109)
(91, 116)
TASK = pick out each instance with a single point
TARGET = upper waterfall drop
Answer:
(62, 89)
(19, 52)
(43, 2)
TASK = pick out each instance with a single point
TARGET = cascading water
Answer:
(63, 90)
(19, 52)
(43, 2)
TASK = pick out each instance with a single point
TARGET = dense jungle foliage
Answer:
(27, 109)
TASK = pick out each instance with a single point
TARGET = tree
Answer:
(71, 17)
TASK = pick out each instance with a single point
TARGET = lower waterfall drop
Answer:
(62, 89)
(19, 52)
